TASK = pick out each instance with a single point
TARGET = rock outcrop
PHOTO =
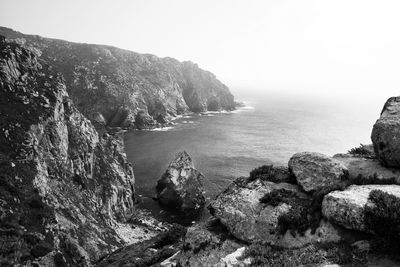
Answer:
(65, 191)
(181, 185)
(368, 170)
(277, 213)
(386, 134)
(349, 208)
(315, 171)
(120, 84)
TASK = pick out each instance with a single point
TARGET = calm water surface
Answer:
(270, 129)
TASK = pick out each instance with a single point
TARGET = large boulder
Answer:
(315, 171)
(349, 208)
(386, 134)
(264, 211)
(181, 185)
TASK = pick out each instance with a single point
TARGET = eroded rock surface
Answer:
(386, 134)
(368, 170)
(315, 171)
(65, 191)
(348, 208)
(181, 185)
(263, 211)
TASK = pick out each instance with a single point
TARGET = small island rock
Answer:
(181, 185)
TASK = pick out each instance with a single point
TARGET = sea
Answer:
(268, 129)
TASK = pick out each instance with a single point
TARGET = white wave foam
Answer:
(162, 129)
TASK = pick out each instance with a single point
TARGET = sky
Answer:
(289, 45)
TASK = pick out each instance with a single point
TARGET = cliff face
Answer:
(124, 88)
(65, 191)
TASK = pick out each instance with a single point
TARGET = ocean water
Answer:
(268, 130)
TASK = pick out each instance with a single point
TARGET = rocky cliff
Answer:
(117, 87)
(65, 191)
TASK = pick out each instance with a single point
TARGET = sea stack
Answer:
(181, 186)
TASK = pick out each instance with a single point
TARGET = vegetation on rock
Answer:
(383, 218)
(272, 174)
(311, 255)
(302, 214)
(363, 151)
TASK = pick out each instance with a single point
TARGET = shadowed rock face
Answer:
(65, 191)
(386, 134)
(119, 84)
(181, 186)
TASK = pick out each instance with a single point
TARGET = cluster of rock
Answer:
(316, 200)
(120, 88)
(66, 191)
(350, 193)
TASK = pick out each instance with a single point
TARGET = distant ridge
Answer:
(116, 87)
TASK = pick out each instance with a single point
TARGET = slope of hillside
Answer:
(65, 190)
(117, 87)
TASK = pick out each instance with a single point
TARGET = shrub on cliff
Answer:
(303, 214)
(383, 218)
(362, 151)
(273, 174)
(263, 172)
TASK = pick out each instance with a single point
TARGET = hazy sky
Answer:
(287, 44)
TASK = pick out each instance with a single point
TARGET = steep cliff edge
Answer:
(122, 88)
(65, 191)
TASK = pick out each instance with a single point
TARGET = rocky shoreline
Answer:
(67, 190)
(119, 88)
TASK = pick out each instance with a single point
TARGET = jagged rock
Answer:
(181, 185)
(315, 171)
(368, 170)
(244, 209)
(347, 208)
(149, 252)
(208, 244)
(118, 83)
(143, 120)
(386, 134)
(64, 190)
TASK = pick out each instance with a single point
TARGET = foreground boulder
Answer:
(264, 211)
(181, 186)
(315, 171)
(386, 134)
(353, 208)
